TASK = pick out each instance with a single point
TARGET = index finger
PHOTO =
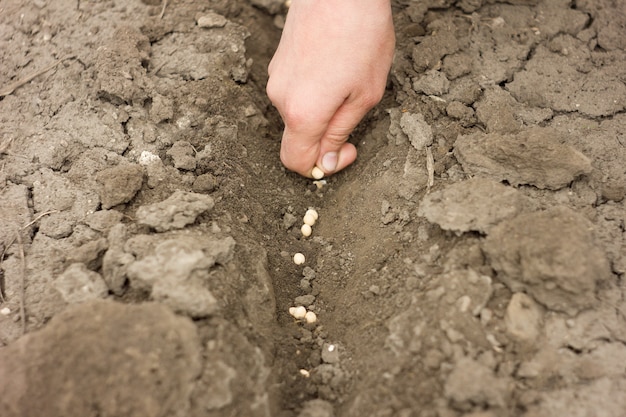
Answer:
(299, 149)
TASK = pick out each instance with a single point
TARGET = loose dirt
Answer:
(470, 263)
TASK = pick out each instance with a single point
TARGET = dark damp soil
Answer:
(470, 263)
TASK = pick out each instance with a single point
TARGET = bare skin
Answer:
(329, 70)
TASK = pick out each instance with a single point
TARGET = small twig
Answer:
(18, 237)
(164, 63)
(430, 167)
(36, 219)
(4, 252)
(4, 146)
(9, 89)
(157, 69)
(163, 9)
(1, 275)
(23, 282)
(6, 248)
(4, 150)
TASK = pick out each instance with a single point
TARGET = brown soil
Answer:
(470, 263)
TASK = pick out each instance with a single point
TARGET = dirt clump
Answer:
(470, 263)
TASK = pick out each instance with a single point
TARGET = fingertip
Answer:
(347, 156)
(295, 164)
(330, 160)
(342, 158)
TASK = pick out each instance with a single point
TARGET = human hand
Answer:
(329, 70)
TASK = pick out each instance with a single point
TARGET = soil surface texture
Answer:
(469, 264)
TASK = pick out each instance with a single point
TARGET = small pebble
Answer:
(317, 173)
(5, 311)
(310, 317)
(305, 300)
(308, 272)
(212, 20)
(463, 303)
(305, 285)
(298, 258)
(330, 353)
(485, 316)
(306, 230)
(306, 335)
(305, 373)
(147, 158)
(279, 21)
(289, 220)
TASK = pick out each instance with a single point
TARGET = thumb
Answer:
(335, 152)
(333, 161)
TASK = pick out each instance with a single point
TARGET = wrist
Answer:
(345, 8)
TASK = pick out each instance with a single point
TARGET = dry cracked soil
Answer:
(470, 264)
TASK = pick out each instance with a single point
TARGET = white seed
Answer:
(305, 373)
(298, 258)
(463, 303)
(298, 312)
(313, 213)
(287, 3)
(309, 219)
(317, 173)
(306, 231)
(320, 184)
(5, 311)
(310, 317)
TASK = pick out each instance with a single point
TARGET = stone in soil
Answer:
(552, 256)
(304, 300)
(477, 204)
(116, 261)
(119, 184)
(104, 220)
(535, 156)
(463, 391)
(590, 90)
(182, 153)
(603, 397)
(523, 319)
(317, 408)
(121, 77)
(177, 273)
(429, 52)
(330, 353)
(212, 20)
(409, 127)
(124, 360)
(177, 211)
(78, 284)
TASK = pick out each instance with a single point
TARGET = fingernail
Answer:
(329, 161)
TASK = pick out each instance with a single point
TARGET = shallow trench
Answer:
(416, 317)
(296, 346)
